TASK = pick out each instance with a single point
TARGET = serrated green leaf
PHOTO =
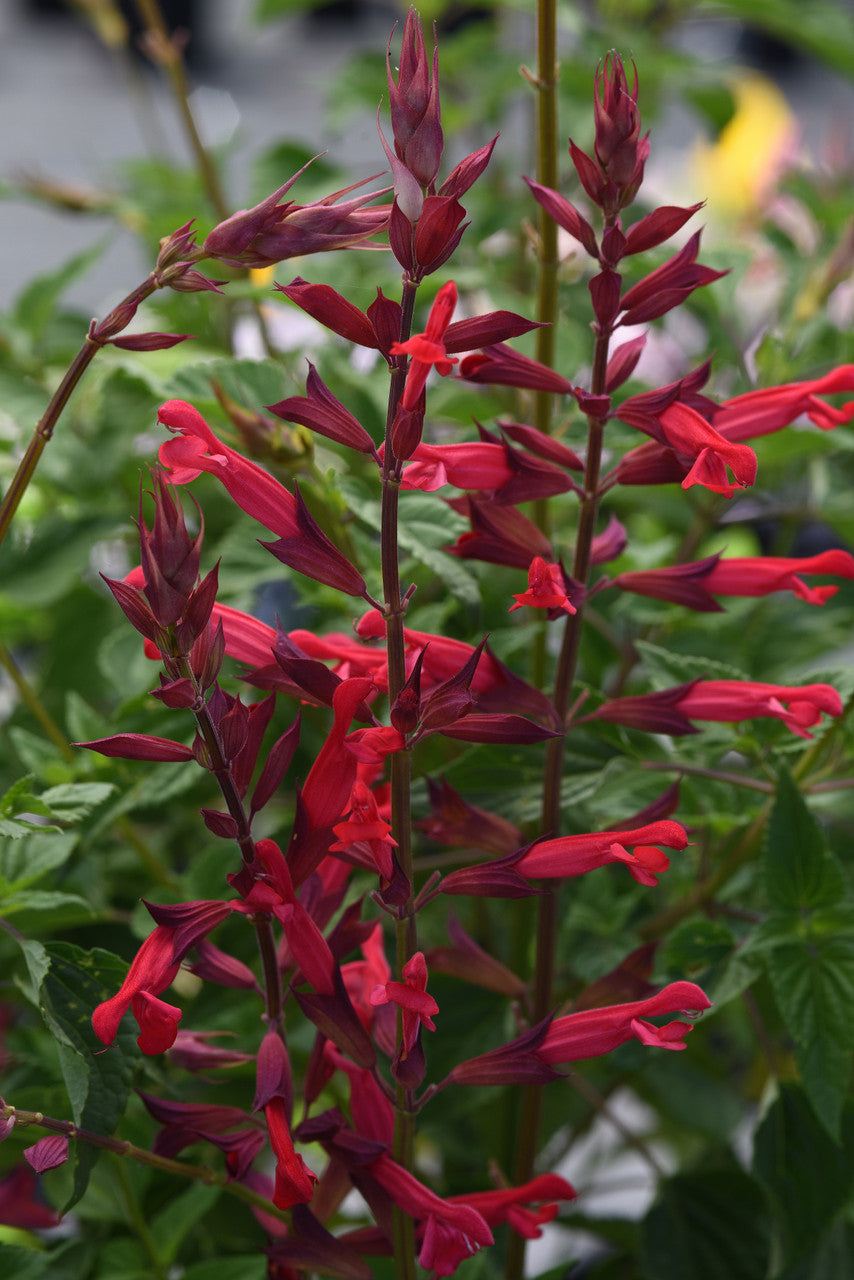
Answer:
(37, 754)
(800, 871)
(696, 945)
(709, 1226)
(72, 801)
(98, 1082)
(37, 304)
(667, 668)
(813, 983)
(809, 1177)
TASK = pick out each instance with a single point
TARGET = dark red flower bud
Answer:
(437, 233)
(500, 535)
(667, 286)
(405, 709)
(605, 295)
(312, 553)
(486, 330)
(138, 746)
(414, 104)
(136, 608)
(149, 341)
(273, 1075)
(622, 363)
(658, 226)
(272, 231)
(467, 172)
(329, 308)
(565, 215)
(515, 1063)
(321, 412)
(501, 365)
(384, 314)
(220, 824)
(276, 766)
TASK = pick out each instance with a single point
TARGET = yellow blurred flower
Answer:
(739, 172)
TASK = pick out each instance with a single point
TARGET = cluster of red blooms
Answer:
(343, 817)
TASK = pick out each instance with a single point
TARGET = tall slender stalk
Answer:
(401, 763)
(547, 916)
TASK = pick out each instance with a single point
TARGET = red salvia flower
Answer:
(696, 584)
(575, 855)
(427, 349)
(196, 449)
(364, 825)
(758, 413)
(152, 970)
(294, 1180)
(510, 1204)
(452, 1231)
(546, 588)
(671, 711)
(411, 995)
(597, 1031)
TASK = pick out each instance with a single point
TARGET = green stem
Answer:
(164, 50)
(196, 1173)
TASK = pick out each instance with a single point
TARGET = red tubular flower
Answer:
(196, 449)
(510, 1203)
(153, 969)
(294, 1180)
(546, 588)
(696, 584)
(427, 349)
(575, 855)
(597, 1031)
(333, 773)
(758, 413)
(411, 995)
(364, 825)
(452, 1231)
(688, 433)
(730, 701)
(476, 465)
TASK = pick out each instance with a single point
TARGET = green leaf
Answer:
(668, 668)
(248, 1266)
(171, 1225)
(813, 982)
(37, 305)
(696, 945)
(97, 1082)
(22, 1264)
(800, 871)
(72, 801)
(707, 1226)
(24, 861)
(810, 1178)
(42, 900)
